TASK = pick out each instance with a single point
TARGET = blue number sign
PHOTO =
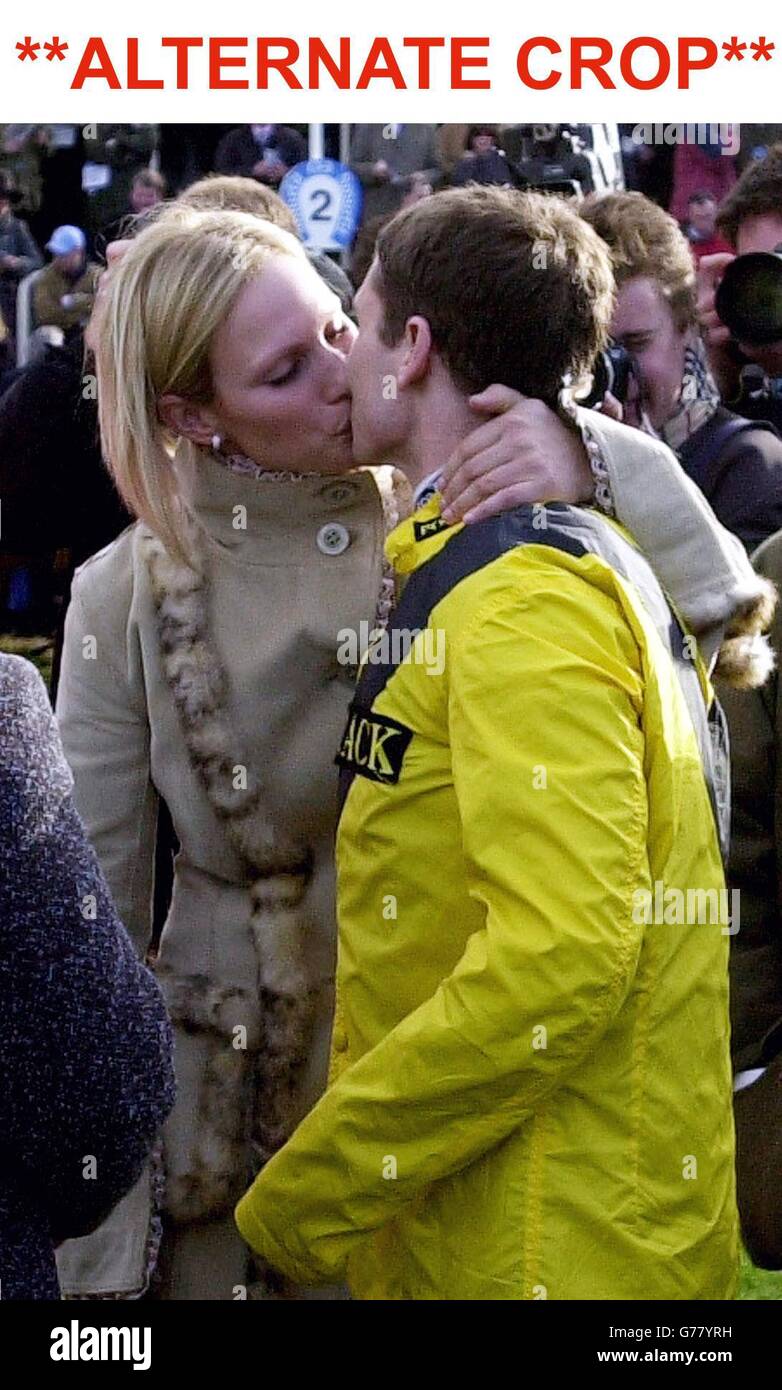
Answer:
(325, 198)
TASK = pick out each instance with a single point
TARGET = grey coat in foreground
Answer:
(85, 1043)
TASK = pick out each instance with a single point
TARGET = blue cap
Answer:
(63, 240)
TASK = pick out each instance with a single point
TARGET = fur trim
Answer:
(211, 1177)
(721, 607)
(746, 659)
(279, 870)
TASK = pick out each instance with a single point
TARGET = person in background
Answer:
(147, 192)
(755, 872)
(22, 154)
(756, 141)
(236, 193)
(700, 227)
(737, 464)
(551, 158)
(654, 318)
(700, 165)
(85, 1043)
(263, 152)
(483, 161)
(19, 254)
(393, 161)
(648, 168)
(59, 503)
(450, 146)
(115, 155)
(750, 219)
(64, 292)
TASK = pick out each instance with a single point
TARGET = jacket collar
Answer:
(420, 537)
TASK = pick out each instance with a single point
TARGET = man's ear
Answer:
(416, 351)
(187, 419)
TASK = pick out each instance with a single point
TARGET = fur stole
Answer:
(279, 871)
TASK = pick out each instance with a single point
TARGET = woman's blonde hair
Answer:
(645, 240)
(167, 296)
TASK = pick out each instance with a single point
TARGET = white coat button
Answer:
(333, 538)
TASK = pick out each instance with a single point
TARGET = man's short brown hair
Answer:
(515, 287)
(757, 193)
(645, 240)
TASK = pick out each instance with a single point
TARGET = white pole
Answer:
(344, 158)
(316, 140)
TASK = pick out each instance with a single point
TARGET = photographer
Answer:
(654, 319)
(749, 372)
(755, 721)
(751, 219)
(483, 160)
(737, 465)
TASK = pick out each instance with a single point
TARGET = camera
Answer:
(611, 373)
(550, 159)
(749, 298)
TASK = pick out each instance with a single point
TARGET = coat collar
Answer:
(270, 518)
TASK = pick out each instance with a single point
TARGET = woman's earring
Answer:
(217, 440)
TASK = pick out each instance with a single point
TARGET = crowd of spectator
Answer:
(66, 192)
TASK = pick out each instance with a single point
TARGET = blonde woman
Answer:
(201, 667)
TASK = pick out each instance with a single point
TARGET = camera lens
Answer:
(749, 298)
(611, 372)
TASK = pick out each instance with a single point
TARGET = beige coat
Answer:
(288, 565)
(279, 591)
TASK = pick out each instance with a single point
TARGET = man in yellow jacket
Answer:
(531, 1092)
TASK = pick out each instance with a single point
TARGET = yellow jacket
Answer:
(531, 1093)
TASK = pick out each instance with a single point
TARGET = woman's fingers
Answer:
(512, 415)
(497, 471)
(611, 407)
(513, 495)
(468, 459)
(495, 400)
(535, 450)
